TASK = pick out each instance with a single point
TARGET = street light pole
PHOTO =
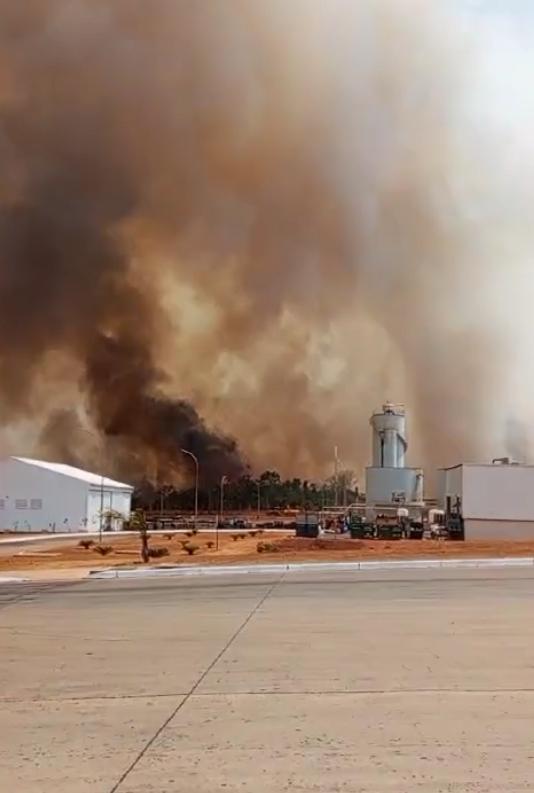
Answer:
(101, 508)
(185, 451)
(224, 480)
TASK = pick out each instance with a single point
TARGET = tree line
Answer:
(268, 491)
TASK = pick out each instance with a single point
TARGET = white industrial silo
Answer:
(389, 437)
(388, 481)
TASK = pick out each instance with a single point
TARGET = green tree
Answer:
(138, 523)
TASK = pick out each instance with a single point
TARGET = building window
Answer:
(36, 503)
(21, 503)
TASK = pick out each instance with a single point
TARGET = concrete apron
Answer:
(402, 564)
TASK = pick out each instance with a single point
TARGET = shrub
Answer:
(168, 536)
(156, 553)
(235, 537)
(252, 533)
(266, 547)
(191, 548)
(194, 531)
(260, 531)
(189, 534)
(103, 550)
(210, 543)
(86, 543)
(242, 536)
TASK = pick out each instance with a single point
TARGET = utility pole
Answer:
(101, 508)
(224, 480)
(336, 483)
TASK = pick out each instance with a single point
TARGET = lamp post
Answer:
(185, 451)
(224, 480)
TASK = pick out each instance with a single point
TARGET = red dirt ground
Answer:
(283, 548)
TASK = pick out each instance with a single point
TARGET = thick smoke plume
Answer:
(273, 215)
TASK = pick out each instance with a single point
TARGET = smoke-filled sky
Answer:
(239, 226)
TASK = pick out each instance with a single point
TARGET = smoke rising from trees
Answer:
(259, 220)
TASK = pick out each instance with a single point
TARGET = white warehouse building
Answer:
(41, 496)
(494, 500)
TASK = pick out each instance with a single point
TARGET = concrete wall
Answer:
(499, 530)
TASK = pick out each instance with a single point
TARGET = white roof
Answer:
(74, 473)
(506, 466)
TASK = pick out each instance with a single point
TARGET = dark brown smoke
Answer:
(79, 128)
(272, 215)
(127, 403)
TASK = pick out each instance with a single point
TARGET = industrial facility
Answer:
(42, 496)
(388, 481)
(475, 501)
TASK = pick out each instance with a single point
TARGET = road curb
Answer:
(401, 564)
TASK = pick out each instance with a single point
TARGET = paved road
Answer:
(38, 543)
(300, 682)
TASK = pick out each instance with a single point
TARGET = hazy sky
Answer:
(520, 10)
(511, 7)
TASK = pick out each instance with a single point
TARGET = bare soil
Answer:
(280, 548)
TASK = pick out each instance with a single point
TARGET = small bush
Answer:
(266, 547)
(252, 533)
(191, 548)
(86, 544)
(243, 536)
(260, 531)
(103, 550)
(210, 543)
(194, 532)
(156, 553)
(235, 537)
(168, 536)
(189, 534)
